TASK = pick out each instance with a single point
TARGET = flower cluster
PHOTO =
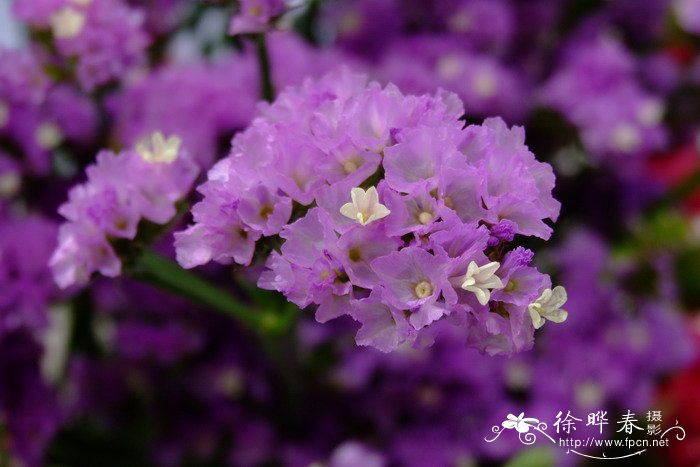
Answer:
(486, 86)
(623, 362)
(121, 190)
(106, 36)
(37, 116)
(389, 211)
(597, 91)
(402, 220)
(220, 99)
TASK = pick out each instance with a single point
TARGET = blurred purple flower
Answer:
(121, 190)
(105, 36)
(254, 16)
(597, 91)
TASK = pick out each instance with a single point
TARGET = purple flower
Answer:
(255, 16)
(500, 153)
(265, 211)
(38, 12)
(521, 280)
(413, 162)
(385, 193)
(487, 86)
(200, 102)
(688, 15)
(38, 116)
(464, 18)
(352, 453)
(291, 280)
(165, 343)
(382, 326)
(504, 231)
(306, 238)
(417, 281)
(292, 59)
(121, 190)
(412, 213)
(81, 252)
(22, 80)
(25, 279)
(358, 247)
(106, 37)
(363, 26)
(615, 116)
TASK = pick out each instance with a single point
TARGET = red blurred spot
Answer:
(681, 53)
(674, 168)
(680, 398)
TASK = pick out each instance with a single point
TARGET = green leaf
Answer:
(535, 457)
(687, 267)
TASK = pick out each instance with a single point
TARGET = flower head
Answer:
(104, 38)
(596, 89)
(121, 191)
(441, 200)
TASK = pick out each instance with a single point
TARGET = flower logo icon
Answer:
(519, 423)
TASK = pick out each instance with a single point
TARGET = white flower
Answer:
(10, 184)
(365, 206)
(48, 135)
(548, 306)
(625, 137)
(651, 112)
(485, 83)
(67, 22)
(479, 279)
(158, 148)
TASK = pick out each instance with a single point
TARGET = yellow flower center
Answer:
(425, 217)
(48, 135)
(354, 254)
(349, 166)
(266, 211)
(424, 289)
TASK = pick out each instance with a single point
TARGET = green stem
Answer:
(82, 334)
(267, 90)
(273, 322)
(164, 273)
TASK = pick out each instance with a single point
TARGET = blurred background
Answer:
(122, 374)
